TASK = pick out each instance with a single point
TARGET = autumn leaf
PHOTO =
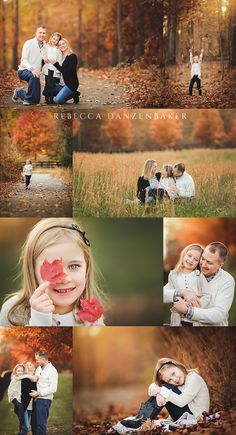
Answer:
(52, 272)
(91, 310)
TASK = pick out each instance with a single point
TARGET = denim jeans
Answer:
(27, 415)
(175, 411)
(152, 194)
(62, 94)
(34, 88)
(39, 416)
(27, 180)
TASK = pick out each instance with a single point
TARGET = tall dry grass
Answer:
(103, 182)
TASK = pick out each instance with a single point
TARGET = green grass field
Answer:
(104, 182)
(60, 418)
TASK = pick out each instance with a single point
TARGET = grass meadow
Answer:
(103, 183)
(60, 417)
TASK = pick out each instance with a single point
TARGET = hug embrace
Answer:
(200, 290)
(56, 61)
(31, 392)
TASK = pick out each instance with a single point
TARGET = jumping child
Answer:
(196, 67)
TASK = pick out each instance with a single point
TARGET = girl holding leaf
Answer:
(58, 279)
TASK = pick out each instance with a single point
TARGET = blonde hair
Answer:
(147, 169)
(15, 368)
(179, 266)
(54, 34)
(169, 171)
(45, 233)
(165, 363)
(68, 45)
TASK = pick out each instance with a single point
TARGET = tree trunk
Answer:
(4, 48)
(119, 31)
(232, 33)
(220, 37)
(171, 58)
(97, 31)
(16, 35)
(139, 27)
(80, 26)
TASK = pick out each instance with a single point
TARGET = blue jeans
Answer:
(39, 416)
(152, 194)
(34, 88)
(62, 94)
(175, 411)
(27, 415)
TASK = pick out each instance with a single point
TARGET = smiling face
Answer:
(41, 34)
(173, 375)
(210, 262)
(55, 40)
(196, 59)
(154, 168)
(63, 46)
(19, 371)
(191, 260)
(41, 361)
(70, 287)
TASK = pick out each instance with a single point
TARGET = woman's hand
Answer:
(180, 306)
(40, 301)
(52, 61)
(153, 389)
(161, 401)
(34, 378)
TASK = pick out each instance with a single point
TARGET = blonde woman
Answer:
(148, 182)
(67, 88)
(58, 278)
(186, 281)
(179, 389)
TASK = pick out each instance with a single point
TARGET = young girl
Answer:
(196, 71)
(27, 173)
(58, 286)
(52, 75)
(167, 185)
(18, 393)
(187, 282)
(148, 182)
(177, 388)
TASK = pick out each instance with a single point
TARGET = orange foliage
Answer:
(120, 131)
(209, 129)
(167, 132)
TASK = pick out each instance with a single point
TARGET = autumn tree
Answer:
(34, 132)
(232, 134)
(167, 133)
(119, 131)
(209, 129)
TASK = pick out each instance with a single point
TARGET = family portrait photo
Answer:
(35, 381)
(199, 272)
(155, 164)
(78, 273)
(36, 164)
(118, 53)
(174, 380)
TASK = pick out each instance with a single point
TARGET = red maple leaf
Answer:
(91, 310)
(52, 272)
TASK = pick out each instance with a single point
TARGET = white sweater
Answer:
(169, 185)
(42, 319)
(194, 393)
(185, 186)
(222, 295)
(28, 169)
(32, 55)
(196, 282)
(52, 53)
(47, 381)
(196, 67)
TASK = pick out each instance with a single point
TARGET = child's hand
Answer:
(153, 390)
(161, 401)
(191, 297)
(40, 301)
(52, 61)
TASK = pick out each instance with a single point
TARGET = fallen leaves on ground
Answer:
(99, 424)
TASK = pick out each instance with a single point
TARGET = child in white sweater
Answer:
(196, 67)
(52, 75)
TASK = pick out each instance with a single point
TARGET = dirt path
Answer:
(47, 196)
(96, 92)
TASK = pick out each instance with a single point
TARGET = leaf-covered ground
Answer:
(46, 196)
(139, 86)
(98, 424)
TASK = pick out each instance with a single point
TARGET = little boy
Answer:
(196, 66)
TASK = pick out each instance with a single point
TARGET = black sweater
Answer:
(142, 184)
(69, 71)
(26, 386)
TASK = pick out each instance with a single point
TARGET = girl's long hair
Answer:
(15, 368)
(147, 169)
(54, 34)
(45, 233)
(179, 266)
(169, 171)
(165, 363)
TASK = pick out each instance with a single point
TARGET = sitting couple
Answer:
(56, 61)
(172, 182)
(200, 291)
(31, 392)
